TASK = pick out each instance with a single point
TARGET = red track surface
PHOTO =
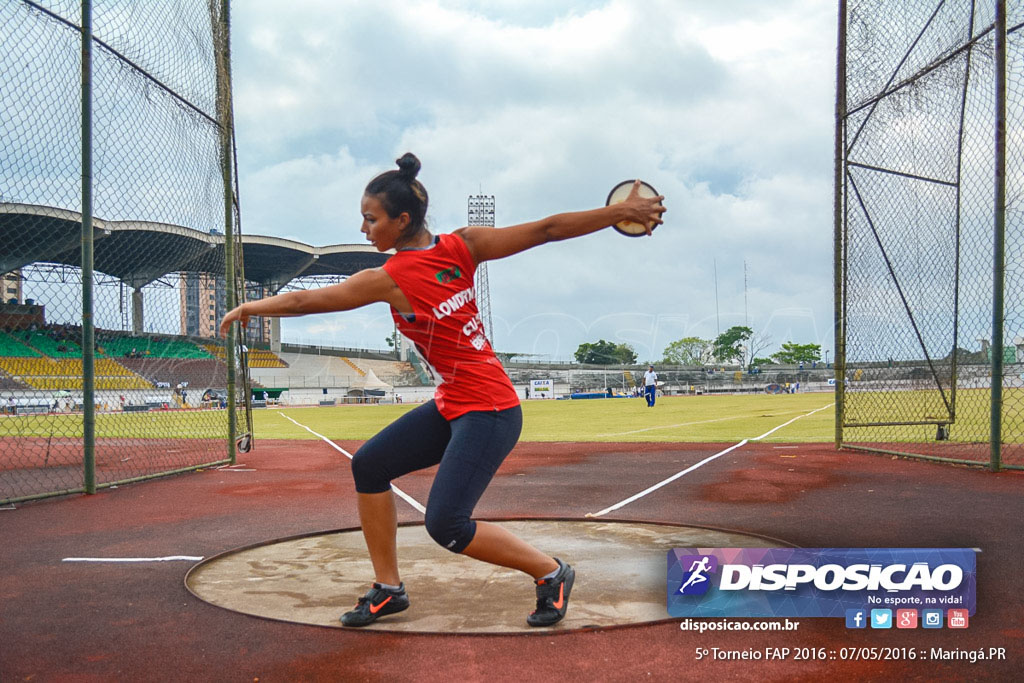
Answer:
(35, 453)
(85, 622)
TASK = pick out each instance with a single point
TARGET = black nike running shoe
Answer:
(553, 596)
(377, 602)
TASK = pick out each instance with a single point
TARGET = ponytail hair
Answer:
(399, 191)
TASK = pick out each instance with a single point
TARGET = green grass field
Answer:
(699, 419)
(694, 419)
(193, 424)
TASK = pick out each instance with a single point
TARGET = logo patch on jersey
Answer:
(448, 275)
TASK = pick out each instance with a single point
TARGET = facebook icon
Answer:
(856, 618)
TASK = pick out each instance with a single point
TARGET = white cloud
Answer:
(306, 199)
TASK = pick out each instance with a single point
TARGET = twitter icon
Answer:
(881, 618)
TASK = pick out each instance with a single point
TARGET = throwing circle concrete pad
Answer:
(620, 577)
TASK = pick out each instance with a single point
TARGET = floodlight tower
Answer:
(481, 212)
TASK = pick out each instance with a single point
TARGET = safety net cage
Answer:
(929, 230)
(119, 244)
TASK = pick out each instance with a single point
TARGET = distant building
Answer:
(203, 304)
(258, 330)
(10, 286)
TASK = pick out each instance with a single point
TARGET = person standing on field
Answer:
(650, 385)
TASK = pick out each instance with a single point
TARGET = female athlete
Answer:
(474, 420)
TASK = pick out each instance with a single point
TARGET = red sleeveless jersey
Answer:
(446, 327)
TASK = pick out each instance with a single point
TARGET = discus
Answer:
(619, 194)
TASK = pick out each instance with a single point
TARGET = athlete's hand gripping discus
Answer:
(618, 194)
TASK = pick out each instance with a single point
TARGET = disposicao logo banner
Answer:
(817, 582)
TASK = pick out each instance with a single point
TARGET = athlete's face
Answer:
(381, 229)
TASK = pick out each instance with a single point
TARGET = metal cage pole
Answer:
(88, 331)
(223, 59)
(837, 208)
(998, 241)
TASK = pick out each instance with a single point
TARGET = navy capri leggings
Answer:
(469, 449)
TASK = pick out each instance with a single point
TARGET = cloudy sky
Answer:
(725, 108)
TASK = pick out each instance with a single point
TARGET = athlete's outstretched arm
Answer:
(487, 244)
(363, 288)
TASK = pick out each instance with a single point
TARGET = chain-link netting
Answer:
(158, 214)
(919, 188)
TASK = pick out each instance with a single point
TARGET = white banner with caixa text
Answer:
(542, 388)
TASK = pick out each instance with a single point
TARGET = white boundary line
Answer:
(399, 492)
(703, 462)
(690, 424)
(680, 424)
(817, 410)
(671, 479)
(169, 558)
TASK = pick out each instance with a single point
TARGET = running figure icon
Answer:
(697, 571)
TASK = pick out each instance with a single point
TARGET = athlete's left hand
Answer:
(233, 315)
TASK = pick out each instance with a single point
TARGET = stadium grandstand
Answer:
(38, 361)
(137, 254)
(41, 354)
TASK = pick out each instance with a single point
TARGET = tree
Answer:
(756, 344)
(605, 353)
(394, 343)
(687, 351)
(792, 353)
(728, 346)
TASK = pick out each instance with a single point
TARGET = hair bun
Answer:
(408, 166)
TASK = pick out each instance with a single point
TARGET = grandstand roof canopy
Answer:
(139, 252)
